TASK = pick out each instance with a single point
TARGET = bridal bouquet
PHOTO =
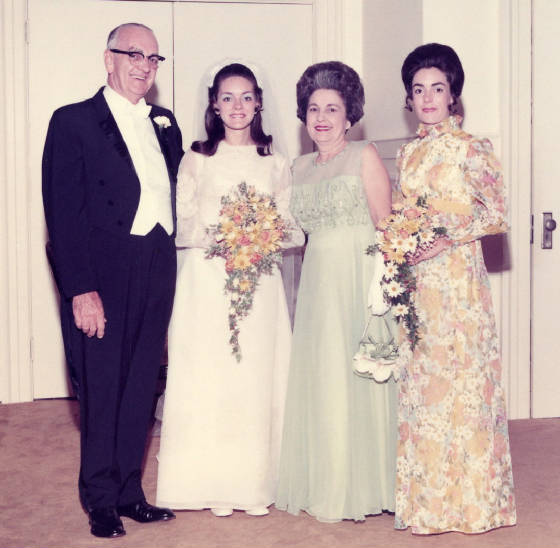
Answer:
(401, 237)
(248, 236)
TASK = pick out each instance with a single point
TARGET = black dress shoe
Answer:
(144, 512)
(105, 522)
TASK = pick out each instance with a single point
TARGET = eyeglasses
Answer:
(137, 57)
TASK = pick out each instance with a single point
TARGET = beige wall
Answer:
(390, 31)
(373, 36)
(473, 29)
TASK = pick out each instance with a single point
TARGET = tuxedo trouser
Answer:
(116, 376)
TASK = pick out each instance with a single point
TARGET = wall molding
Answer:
(515, 18)
(328, 35)
(15, 324)
(338, 31)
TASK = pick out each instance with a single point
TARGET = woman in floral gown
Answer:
(453, 458)
(222, 419)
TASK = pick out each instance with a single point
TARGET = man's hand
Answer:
(89, 315)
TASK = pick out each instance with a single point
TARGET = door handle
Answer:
(549, 226)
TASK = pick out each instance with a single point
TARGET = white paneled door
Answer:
(546, 211)
(275, 37)
(66, 43)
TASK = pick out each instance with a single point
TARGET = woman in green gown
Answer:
(338, 455)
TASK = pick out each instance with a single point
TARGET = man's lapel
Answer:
(109, 127)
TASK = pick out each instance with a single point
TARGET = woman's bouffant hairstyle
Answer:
(338, 77)
(435, 55)
(214, 124)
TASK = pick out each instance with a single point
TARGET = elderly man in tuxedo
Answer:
(109, 176)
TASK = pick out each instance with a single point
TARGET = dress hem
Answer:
(322, 519)
(416, 530)
(207, 505)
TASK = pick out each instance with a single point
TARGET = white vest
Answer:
(139, 135)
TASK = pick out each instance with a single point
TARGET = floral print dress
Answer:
(453, 458)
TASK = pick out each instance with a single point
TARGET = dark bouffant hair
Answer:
(435, 55)
(214, 124)
(336, 76)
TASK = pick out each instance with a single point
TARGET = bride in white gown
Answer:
(222, 420)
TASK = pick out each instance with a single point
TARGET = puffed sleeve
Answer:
(191, 232)
(282, 193)
(483, 175)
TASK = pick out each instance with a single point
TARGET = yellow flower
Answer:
(383, 224)
(245, 285)
(397, 256)
(242, 260)
(268, 214)
(411, 226)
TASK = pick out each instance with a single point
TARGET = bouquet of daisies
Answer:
(402, 237)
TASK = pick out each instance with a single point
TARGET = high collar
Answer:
(450, 124)
(121, 105)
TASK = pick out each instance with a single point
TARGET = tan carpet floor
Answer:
(39, 503)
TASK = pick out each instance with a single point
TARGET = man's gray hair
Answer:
(113, 37)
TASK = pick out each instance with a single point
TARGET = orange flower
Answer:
(437, 389)
(411, 213)
(403, 431)
(245, 285)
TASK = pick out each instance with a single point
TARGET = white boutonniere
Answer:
(162, 121)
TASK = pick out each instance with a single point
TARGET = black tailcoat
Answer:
(91, 193)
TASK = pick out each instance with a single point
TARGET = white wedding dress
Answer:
(222, 420)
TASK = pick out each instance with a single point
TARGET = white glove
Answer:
(376, 300)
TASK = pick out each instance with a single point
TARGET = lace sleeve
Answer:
(283, 193)
(190, 231)
(482, 173)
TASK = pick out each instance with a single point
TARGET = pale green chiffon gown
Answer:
(339, 442)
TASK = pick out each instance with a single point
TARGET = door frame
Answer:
(16, 374)
(516, 24)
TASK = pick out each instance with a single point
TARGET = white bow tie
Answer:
(140, 109)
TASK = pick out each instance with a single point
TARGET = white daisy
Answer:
(394, 288)
(398, 244)
(410, 244)
(426, 237)
(390, 271)
(400, 310)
